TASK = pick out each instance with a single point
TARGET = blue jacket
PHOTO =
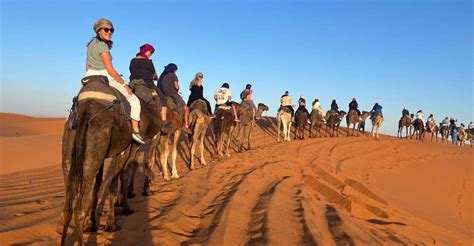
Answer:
(377, 108)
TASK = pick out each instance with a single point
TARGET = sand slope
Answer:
(347, 190)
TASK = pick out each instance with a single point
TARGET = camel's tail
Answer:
(75, 179)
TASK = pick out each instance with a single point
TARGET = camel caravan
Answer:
(110, 118)
(415, 126)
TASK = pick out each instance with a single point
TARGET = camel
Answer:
(418, 129)
(99, 131)
(462, 135)
(284, 120)
(223, 126)
(444, 132)
(317, 120)
(354, 119)
(333, 121)
(247, 122)
(301, 119)
(199, 123)
(433, 129)
(405, 121)
(260, 109)
(377, 120)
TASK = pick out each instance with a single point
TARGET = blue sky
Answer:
(417, 54)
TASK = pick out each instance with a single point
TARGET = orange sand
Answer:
(324, 191)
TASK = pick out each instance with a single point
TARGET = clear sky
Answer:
(417, 54)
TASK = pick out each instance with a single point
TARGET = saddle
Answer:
(173, 107)
(146, 94)
(97, 87)
(284, 109)
(198, 105)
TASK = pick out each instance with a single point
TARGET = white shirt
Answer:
(222, 95)
(419, 116)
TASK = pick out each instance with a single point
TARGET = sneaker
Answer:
(212, 116)
(187, 130)
(309, 122)
(138, 137)
(236, 120)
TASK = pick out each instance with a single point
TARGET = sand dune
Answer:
(329, 191)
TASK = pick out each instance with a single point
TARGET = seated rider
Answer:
(168, 83)
(431, 121)
(197, 93)
(420, 115)
(317, 107)
(376, 109)
(353, 105)
(445, 122)
(246, 96)
(470, 127)
(223, 96)
(302, 107)
(285, 101)
(334, 106)
(141, 67)
(405, 112)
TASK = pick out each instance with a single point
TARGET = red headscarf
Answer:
(144, 48)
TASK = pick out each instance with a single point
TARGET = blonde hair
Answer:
(195, 80)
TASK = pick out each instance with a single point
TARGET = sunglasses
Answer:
(200, 77)
(106, 29)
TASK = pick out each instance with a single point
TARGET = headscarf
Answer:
(101, 23)
(170, 68)
(225, 85)
(144, 48)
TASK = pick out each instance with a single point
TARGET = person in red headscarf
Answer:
(142, 68)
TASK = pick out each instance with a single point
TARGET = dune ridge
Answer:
(328, 191)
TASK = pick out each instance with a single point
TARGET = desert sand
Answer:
(325, 191)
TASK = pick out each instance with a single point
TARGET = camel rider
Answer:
(405, 112)
(353, 105)
(376, 109)
(470, 128)
(334, 106)
(420, 115)
(246, 96)
(431, 121)
(285, 101)
(445, 122)
(223, 96)
(454, 130)
(302, 107)
(168, 83)
(317, 107)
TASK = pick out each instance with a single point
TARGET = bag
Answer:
(243, 95)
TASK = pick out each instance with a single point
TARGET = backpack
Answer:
(243, 95)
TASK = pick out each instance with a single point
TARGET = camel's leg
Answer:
(111, 225)
(249, 136)
(164, 146)
(174, 153)
(278, 126)
(289, 131)
(151, 155)
(92, 226)
(240, 137)
(201, 138)
(229, 139)
(132, 166)
(193, 149)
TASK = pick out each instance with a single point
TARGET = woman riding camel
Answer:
(246, 96)
(285, 101)
(431, 121)
(376, 109)
(197, 93)
(223, 97)
(405, 112)
(168, 83)
(142, 68)
(302, 108)
(99, 62)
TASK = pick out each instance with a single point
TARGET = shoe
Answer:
(309, 122)
(212, 116)
(236, 120)
(138, 137)
(187, 130)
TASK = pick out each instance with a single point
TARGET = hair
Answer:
(333, 101)
(108, 42)
(195, 80)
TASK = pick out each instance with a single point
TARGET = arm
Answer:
(110, 69)
(176, 85)
(86, 67)
(155, 76)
